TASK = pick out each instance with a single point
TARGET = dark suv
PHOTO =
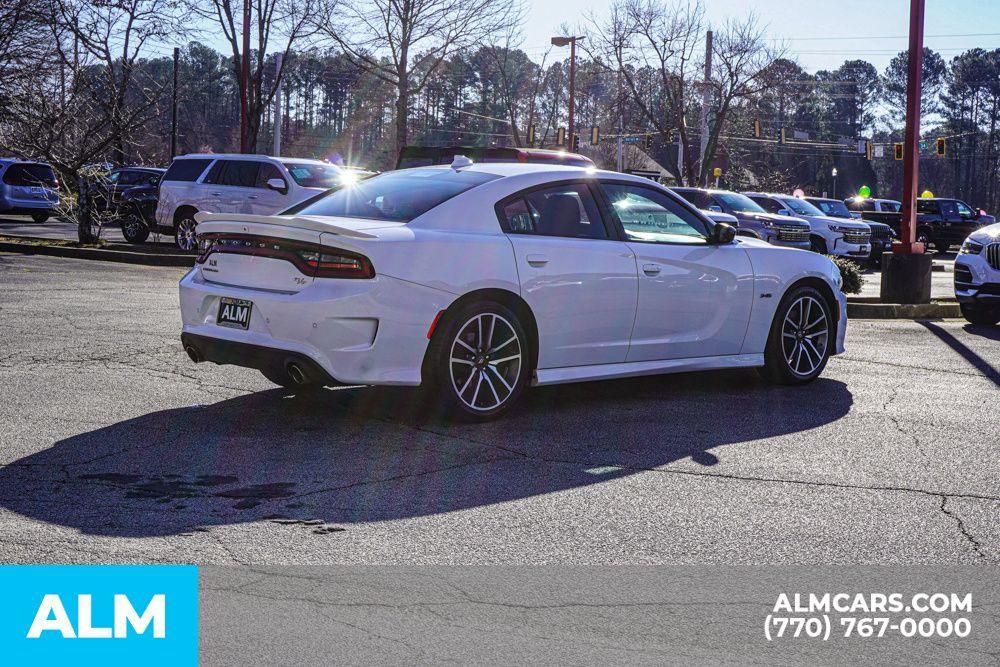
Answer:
(752, 220)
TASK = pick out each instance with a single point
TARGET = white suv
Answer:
(827, 235)
(977, 276)
(237, 183)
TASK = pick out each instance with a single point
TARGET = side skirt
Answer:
(635, 368)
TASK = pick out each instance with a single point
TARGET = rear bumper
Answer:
(357, 331)
(221, 351)
(27, 208)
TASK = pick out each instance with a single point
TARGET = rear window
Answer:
(397, 196)
(185, 170)
(314, 175)
(29, 174)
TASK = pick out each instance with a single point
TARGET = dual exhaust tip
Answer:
(296, 372)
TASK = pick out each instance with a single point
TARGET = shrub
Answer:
(849, 273)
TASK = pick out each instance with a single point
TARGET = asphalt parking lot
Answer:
(114, 447)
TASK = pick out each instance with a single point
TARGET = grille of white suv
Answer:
(993, 255)
(857, 237)
(793, 234)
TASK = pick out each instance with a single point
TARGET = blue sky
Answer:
(877, 28)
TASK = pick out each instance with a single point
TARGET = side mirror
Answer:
(278, 185)
(715, 207)
(723, 233)
(783, 212)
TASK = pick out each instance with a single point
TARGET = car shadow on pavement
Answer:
(963, 350)
(363, 454)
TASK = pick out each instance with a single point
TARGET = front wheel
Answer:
(39, 217)
(185, 234)
(801, 338)
(980, 315)
(479, 361)
(134, 229)
(816, 244)
(942, 247)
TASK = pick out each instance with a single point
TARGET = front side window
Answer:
(396, 196)
(651, 216)
(561, 210)
(964, 210)
(801, 206)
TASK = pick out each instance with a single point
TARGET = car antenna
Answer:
(460, 161)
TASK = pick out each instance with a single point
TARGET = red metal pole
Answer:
(244, 75)
(572, 89)
(911, 138)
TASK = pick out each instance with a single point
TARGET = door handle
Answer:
(251, 196)
(537, 260)
(216, 194)
(651, 269)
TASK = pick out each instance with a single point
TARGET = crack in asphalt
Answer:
(969, 537)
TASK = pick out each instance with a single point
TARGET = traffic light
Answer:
(561, 136)
(897, 150)
(942, 147)
(595, 135)
(756, 129)
(781, 138)
(575, 148)
(531, 134)
(649, 141)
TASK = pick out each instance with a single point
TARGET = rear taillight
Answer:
(310, 258)
(335, 263)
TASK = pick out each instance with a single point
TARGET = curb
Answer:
(120, 256)
(903, 311)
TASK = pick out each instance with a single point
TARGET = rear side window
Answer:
(236, 173)
(185, 170)
(861, 205)
(29, 174)
(396, 196)
(890, 207)
(926, 206)
(561, 210)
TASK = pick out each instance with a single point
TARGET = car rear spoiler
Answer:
(315, 224)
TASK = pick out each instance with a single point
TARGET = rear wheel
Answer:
(801, 338)
(980, 315)
(39, 217)
(479, 361)
(185, 235)
(134, 229)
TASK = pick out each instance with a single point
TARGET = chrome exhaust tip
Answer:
(194, 354)
(296, 373)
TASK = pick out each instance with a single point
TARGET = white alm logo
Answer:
(52, 615)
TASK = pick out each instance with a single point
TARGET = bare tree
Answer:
(285, 22)
(650, 41)
(404, 42)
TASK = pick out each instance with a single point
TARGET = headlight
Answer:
(767, 223)
(970, 247)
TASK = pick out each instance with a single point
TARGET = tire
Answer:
(817, 244)
(942, 247)
(134, 229)
(467, 379)
(923, 236)
(980, 315)
(796, 352)
(184, 233)
(39, 217)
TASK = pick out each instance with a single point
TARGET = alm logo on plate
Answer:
(99, 614)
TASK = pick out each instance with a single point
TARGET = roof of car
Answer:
(250, 156)
(156, 170)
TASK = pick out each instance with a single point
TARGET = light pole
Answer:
(563, 41)
(834, 172)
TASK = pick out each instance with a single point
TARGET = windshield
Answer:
(314, 175)
(801, 207)
(396, 196)
(737, 202)
(836, 209)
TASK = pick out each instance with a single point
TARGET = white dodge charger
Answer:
(477, 280)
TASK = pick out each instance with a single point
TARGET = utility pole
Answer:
(571, 41)
(277, 104)
(706, 98)
(173, 107)
(244, 76)
(621, 122)
(906, 271)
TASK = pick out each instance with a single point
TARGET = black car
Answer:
(882, 234)
(108, 191)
